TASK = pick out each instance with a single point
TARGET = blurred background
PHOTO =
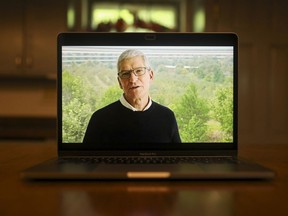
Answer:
(28, 34)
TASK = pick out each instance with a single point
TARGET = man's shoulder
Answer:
(112, 105)
(108, 109)
(161, 108)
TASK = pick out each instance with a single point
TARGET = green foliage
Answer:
(110, 95)
(203, 121)
(223, 110)
(77, 107)
(194, 130)
(75, 118)
(192, 115)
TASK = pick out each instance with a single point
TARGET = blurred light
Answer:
(71, 16)
(199, 20)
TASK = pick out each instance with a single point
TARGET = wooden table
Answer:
(86, 198)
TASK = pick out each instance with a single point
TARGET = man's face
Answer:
(135, 87)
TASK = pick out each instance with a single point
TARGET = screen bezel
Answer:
(148, 39)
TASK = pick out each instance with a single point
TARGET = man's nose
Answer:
(133, 77)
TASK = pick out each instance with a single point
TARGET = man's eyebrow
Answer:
(125, 70)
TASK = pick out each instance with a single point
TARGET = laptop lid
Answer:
(195, 76)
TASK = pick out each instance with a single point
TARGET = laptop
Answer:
(194, 77)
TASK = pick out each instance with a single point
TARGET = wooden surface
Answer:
(18, 197)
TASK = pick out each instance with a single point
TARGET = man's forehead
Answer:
(132, 61)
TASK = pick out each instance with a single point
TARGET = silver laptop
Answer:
(187, 127)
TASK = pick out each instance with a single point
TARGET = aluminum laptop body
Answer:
(195, 76)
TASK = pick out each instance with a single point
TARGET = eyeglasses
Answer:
(126, 74)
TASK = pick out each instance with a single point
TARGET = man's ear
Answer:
(151, 74)
(119, 82)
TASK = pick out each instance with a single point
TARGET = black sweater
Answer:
(118, 124)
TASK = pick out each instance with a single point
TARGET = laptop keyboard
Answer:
(150, 160)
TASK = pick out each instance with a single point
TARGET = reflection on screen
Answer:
(195, 82)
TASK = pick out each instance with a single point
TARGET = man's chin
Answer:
(135, 95)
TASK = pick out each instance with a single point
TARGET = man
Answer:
(135, 118)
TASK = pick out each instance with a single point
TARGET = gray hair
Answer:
(131, 53)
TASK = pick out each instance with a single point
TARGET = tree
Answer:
(110, 95)
(223, 110)
(192, 115)
(77, 107)
(75, 119)
(194, 130)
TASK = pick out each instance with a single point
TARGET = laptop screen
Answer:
(195, 79)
